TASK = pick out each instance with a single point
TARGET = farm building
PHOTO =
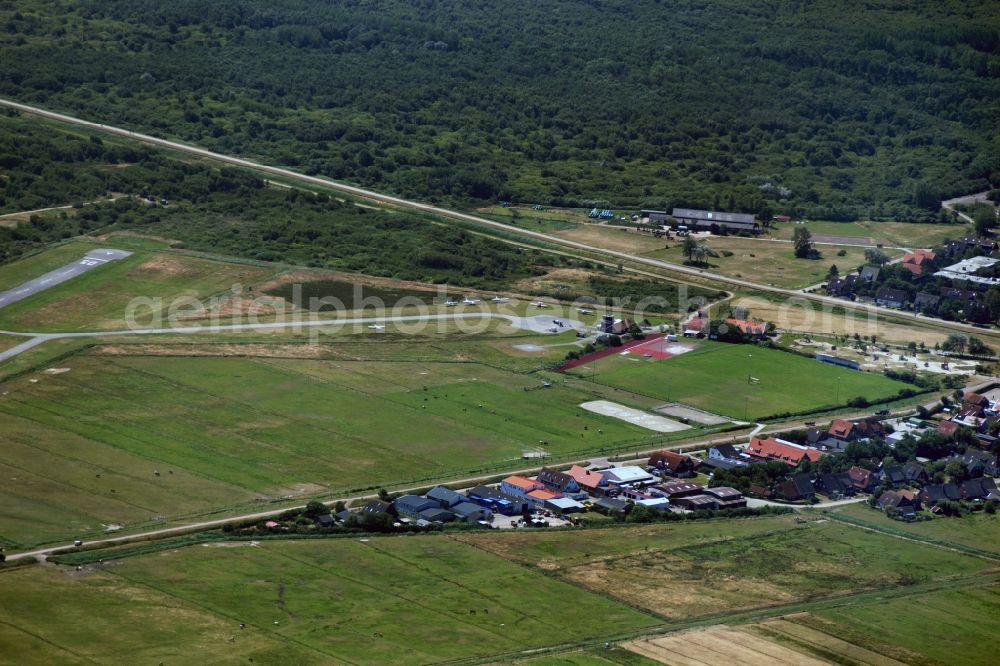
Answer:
(676, 489)
(726, 497)
(706, 219)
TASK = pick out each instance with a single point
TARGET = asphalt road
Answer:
(92, 260)
(475, 219)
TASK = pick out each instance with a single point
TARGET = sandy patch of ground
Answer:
(56, 371)
(634, 416)
(720, 645)
(570, 279)
(134, 234)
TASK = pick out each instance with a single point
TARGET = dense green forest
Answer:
(828, 109)
(231, 212)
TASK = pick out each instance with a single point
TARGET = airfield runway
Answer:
(93, 259)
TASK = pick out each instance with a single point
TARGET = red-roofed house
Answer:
(520, 486)
(861, 478)
(753, 328)
(540, 497)
(590, 480)
(916, 261)
(947, 428)
(776, 449)
(674, 464)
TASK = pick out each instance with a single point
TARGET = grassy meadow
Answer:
(691, 571)
(98, 299)
(414, 600)
(111, 440)
(714, 377)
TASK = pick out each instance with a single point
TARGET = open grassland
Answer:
(979, 531)
(766, 261)
(891, 234)
(686, 572)
(99, 299)
(411, 600)
(945, 627)
(106, 440)
(714, 377)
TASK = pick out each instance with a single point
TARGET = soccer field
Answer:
(716, 377)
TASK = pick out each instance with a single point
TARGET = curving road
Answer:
(466, 217)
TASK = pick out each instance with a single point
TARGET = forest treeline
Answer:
(832, 110)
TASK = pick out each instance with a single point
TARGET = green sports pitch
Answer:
(740, 381)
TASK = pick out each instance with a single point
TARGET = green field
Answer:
(948, 627)
(410, 600)
(979, 531)
(770, 262)
(83, 447)
(687, 572)
(890, 234)
(98, 299)
(714, 377)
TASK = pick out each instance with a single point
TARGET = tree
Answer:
(803, 243)
(689, 247)
(834, 272)
(977, 347)
(955, 343)
(873, 255)
(985, 220)
(315, 508)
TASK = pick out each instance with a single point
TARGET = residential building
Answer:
(540, 497)
(772, 448)
(836, 485)
(870, 273)
(934, 493)
(925, 301)
(673, 463)
(896, 499)
(799, 487)
(842, 287)
(591, 481)
(560, 482)
(726, 497)
(891, 298)
(520, 486)
(917, 261)
(861, 478)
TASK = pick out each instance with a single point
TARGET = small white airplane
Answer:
(470, 301)
(450, 304)
(500, 299)
(584, 311)
(540, 304)
(377, 327)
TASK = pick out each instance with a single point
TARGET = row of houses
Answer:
(906, 502)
